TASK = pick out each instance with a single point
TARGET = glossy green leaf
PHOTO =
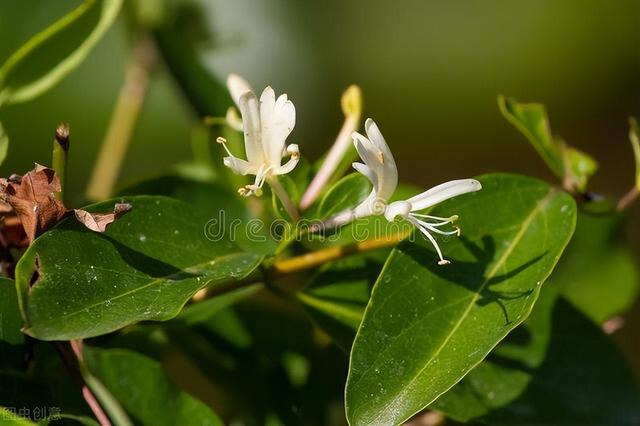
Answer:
(146, 266)
(571, 165)
(147, 394)
(598, 273)
(347, 193)
(426, 325)
(11, 339)
(531, 120)
(543, 374)
(52, 54)
(224, 206)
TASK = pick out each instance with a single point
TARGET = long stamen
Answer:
(456, 231)
(222, 141)
(433, 227)
(256, 187)
(433, 241)
(444, 220)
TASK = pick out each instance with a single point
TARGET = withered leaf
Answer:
(98, 221)
(32, 198)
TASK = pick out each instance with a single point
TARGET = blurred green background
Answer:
(430, 72)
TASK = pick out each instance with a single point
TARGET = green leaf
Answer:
(571, 165)
(291, 189)
(224, 206)
(146, 266)
(9, 417)
(598, 273)
(4, 144)
(427, 325)
(81, 420)
(531, 120)
(202, 311)
(347, 193)
(52, 54)
(142, 387)
(580, 166)
(11, 339)
(338, 294)
(537, 375)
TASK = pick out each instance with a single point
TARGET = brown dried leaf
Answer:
(32, 198)
(99, 221)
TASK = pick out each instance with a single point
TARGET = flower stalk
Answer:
(123, 121)
(59, 156)
(351, 103)
(284, 198)
(634, 192)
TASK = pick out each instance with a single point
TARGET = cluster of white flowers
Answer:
(268, 122)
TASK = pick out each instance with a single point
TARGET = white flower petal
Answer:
(278, 119)
(239, 166)
(249, 109)
(365, 170)
(233, 119)
(284, 122)
(388, 175)
(366, 151)
(237, 86)
(294, 151)
(397, 208)
(375, 136)
(442, 192)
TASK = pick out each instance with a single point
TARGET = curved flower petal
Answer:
(377, 156)
(240, 166)
(365, 170)
(291, 164)
(252, 127)
(237, 86)
(367, 152)
(278, 118)
(442, 192)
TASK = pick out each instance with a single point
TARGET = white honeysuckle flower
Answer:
(237, 87)
(380, 168)
(266, 124)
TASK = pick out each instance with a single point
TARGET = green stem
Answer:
(281, 193)
(59, 156)
(303, 262)
(107, 401)
(96, 390)
(123, 121)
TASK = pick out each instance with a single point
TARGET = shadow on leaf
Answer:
(474, 276)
